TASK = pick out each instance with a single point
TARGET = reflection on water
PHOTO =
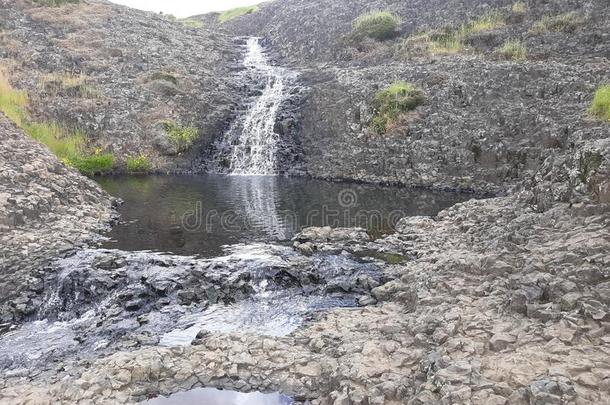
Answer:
(211, 396)
(199, 214)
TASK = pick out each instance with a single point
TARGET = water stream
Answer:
(251, 145)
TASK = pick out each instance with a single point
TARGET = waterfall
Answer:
(251, 143)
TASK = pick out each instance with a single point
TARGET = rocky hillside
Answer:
(135, 83)
(491, 116)
(45, 210)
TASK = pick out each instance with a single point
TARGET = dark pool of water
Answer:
(211, 396)
(197, 215)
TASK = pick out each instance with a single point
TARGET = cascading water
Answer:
(251, 144)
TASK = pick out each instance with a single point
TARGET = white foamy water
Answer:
(254, 143)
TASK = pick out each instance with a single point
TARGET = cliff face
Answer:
(116, 73)
(489, 122)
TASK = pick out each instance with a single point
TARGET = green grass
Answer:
(513, 50)
(235, 13)
(600, 108)
(182, 137)
(391, 102)
(68, 145)
(568, 23)
(189, 22)
(379, 25)
(138, 164)
(55, 3)
(97, 163)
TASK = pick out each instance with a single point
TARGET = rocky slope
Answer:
(117, 73)
(46, 210)
(488, 123)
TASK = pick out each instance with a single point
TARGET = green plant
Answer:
(168, 77)
(191, 23)
(513, 49)
(97, 163)
(600, 107)
(138, 164)
(236, 12)
(379, 25)
(391, 102)
(568, 22)
(55, 3)
(182, 137)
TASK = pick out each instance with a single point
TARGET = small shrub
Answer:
(391, 102)
(379, 25)
(568, 22)
(513, 50)
(182, 137)
(55, 3)
(189, 22)
(168, 77)
(600, 107)
(138, 164)
(236, 12)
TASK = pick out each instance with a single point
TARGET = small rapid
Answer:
(251, 144)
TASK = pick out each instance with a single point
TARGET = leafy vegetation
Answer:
(165, 76)
(513, 49)
(138, 164)
(68, 145)
(235, 13)
(600, 107)
(68, 85)
(391, 102)
(568, 22)
(379, 25)
(55, 3)
(182, 137)
(191, 23)
(96, 163)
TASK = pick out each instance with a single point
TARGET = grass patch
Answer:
(451, 40)
(513, 50)
(391, 102)
(168, 77)
(600, 108)
(68, 85)
(379, 25)
(236, 12)
(68, 145)
(97, 163)
(138, 164)
(55, 3)
(568, 22)
(189, 22)
(182, 137)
